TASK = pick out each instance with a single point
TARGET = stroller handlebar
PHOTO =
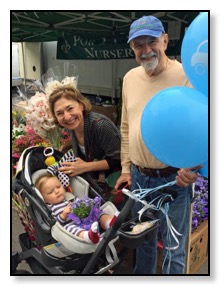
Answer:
(123, 214)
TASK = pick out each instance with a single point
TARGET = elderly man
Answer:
(156, 72)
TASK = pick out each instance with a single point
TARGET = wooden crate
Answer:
(197, 250)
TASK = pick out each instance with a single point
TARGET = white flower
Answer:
(69, 81)
(51, 86)
(17, 132)
(38, 114)
(20, 128)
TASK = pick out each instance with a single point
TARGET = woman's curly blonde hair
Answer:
(67, 92)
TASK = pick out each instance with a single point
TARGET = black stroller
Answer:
(54, 251)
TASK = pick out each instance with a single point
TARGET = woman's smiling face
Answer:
(69, 113)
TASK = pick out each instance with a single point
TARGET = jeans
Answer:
(179, 215)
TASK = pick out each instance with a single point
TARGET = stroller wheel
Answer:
(22, 272)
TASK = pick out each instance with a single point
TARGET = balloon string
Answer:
(141, 193)
(138, 195)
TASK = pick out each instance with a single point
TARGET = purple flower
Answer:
(85, 211)
(200, 204)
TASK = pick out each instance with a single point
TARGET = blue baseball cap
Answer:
(146, 26)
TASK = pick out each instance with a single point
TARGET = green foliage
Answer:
(82, 210)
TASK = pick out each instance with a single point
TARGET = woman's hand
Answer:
(74, 168)
(186, 176)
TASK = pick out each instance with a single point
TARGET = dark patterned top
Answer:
(106, 143)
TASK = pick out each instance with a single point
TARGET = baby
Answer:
(53, 194)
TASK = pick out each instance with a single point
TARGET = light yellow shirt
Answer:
(138, 88)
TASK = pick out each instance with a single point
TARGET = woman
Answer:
(95, 139)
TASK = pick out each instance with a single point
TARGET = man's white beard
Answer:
(149, 66)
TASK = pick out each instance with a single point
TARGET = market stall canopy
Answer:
(89, 27)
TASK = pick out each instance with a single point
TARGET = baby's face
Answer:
(53, 192)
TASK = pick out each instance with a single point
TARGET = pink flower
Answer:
(39, 116)
(15, 123)
(28, 128)
(16, 155)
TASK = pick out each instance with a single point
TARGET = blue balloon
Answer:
(174, 127)
(204, 171)
(194, 53)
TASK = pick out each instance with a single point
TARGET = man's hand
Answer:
(124, 178)
(186, 176)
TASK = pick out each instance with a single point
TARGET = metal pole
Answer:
(22, 49)
(113, 81)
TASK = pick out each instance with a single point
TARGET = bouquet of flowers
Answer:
(38, 114)
(18, 124)
(40, 119)
(23, 136)
(28, 139)
(85, 211)
(200, 204)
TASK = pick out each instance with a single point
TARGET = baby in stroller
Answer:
(55, 250)
(53, 193)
